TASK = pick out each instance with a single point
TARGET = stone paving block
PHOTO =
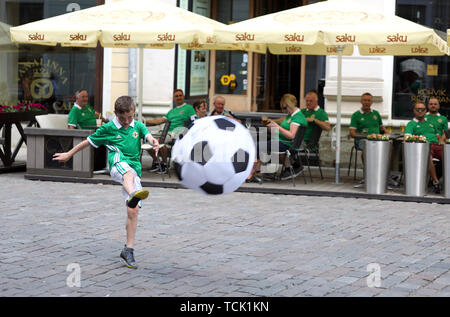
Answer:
(184, 247)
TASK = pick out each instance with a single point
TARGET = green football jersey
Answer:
(180, 116)
(82, 117)
(124, 145)
(415, 127)
(366, 123)
(318, 114)
(297, 118)
(439, 121)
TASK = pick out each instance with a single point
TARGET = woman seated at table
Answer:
(287, 128)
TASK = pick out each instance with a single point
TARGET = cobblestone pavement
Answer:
(64, 239)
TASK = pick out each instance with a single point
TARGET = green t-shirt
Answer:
(82, 117)
(415, 127)
(439, 121)
(180, 116)
(366, 123)
(123, 145)
(318, 114)
(296, 118)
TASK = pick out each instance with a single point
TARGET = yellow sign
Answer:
(432, 70)
(41, 88)
(232, 77)
(225, 80)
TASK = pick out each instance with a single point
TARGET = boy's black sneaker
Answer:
(127, 255)
(136, 197)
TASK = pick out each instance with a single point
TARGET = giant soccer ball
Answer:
(215, 156)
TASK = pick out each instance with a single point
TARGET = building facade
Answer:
(254, 82)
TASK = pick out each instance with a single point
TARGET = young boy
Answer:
(122, 137)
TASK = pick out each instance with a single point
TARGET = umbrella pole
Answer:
(141, 81)
(338, 114)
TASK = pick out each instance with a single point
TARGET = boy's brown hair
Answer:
(124, 104)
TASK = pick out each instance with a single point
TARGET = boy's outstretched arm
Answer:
(64, 157)
(154, 142)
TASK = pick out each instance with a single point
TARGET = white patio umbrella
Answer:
(5, 43)
(130, 24)
(335, 27)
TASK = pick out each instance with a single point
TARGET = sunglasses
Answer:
(420, 109)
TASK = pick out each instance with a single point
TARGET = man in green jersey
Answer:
(315, 116)
(365, 121)
(122, 136)
(219, 109)
(421, 126)
(82, 114)
(180, 116)
(439, 121)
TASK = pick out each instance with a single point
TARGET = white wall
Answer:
(158, 70)
(361, 74)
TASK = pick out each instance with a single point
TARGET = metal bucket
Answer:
(446, 170)
(377, 158)
(416, 158)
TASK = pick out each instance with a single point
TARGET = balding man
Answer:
(315, 116)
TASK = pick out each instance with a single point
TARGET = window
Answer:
(231, 66)
(419, 78)
(49, 75)
(192, 72)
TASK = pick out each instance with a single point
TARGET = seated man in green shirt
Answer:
(82, 115)
(315, 116)
(180, 116)
(366, 120)
(433, 116)
(421, 126)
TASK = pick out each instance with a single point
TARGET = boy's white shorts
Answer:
(117, 177)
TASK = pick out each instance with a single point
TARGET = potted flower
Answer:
(416, 138)
(377, 137)
(20, 112)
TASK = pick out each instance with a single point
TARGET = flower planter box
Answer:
(13, 117)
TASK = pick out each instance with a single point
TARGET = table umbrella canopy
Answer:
(334, 28)
(317, 28)
(148, 24)
(5, 43)
(125, 24)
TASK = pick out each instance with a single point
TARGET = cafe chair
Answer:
(53, 121)
(161, 141)
(356, 149)
(309, 154)
(293, 154)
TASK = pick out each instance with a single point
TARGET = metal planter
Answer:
(416, 158)
(377, 157)
(446, 170)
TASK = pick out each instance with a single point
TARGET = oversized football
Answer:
(215, 156)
